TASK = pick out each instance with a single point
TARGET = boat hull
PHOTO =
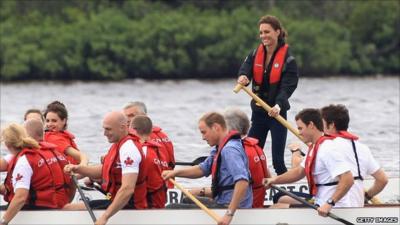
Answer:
(367, 215)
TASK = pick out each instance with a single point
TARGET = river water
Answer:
(176, 106)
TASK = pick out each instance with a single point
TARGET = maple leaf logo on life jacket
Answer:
(19, 177)
(128, 161)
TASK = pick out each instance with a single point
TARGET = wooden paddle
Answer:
(211, 213)
(331, 215)
(282, 120)
(84, 199)
(195, 162)
(268, 108)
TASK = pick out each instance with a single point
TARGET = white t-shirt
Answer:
(368, 166)
(129, 157)
(22, 174)
(8, 158)
(329, 164)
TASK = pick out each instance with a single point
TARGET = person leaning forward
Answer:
(323, 164)
(274, 75)
(123, 172)
(227, 163)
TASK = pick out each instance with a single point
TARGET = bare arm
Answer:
(16, 204)
(3, 165)
(238, 193)
(380, 182)
(191, 172)
(93, 172)
(345, 182)
(77, 155)
(121, 198)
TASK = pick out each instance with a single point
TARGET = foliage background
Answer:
(117, 39)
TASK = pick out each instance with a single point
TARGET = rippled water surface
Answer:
(176, 106)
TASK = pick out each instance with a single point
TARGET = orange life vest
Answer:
(49, 184)
(156, 186)
(159, 136)
(277, 66)
(62, 140)
(112, 173)
(310, 163)
(258, 169)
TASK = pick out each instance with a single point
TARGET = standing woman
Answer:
(274, 75)
(56, 116)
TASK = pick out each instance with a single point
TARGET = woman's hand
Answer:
(243, 80)
(274, 111)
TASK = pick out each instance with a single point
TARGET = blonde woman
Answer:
(36, 169)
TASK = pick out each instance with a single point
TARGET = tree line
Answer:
(118, 39)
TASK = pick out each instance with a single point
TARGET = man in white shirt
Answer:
(121, 172)
(336, 121)
(323, 164)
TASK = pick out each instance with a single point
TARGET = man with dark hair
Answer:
(328, 174)
(336, 122)
(227, 164)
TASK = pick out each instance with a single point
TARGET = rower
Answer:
(336, 122)
(124, 171)
(323, 164)
(228, 165)
(35, 179)
(132, 109)
(156, 161)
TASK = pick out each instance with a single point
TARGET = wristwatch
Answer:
(330, 202)
(297, 150)
(229, 213)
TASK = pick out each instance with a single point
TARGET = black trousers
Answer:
(261, 124)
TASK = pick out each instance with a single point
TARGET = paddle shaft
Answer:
(85, 201)
(211, 213)
(195, 162)
(331, 215)
(268, 108)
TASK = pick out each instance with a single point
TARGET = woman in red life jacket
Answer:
(56, 116)
(34, 175)
(156, 161)
(56, 133)
(274, 75)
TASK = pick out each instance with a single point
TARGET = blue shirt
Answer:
(234, 167)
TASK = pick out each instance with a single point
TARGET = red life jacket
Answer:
(112, 173)
(63, 140)
(310, 163)
(215, 187)
(277, 66)
(49, 183)
(159, 136)
(156, 186)
(258, 170)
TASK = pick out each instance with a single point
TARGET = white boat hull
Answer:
(374, 215)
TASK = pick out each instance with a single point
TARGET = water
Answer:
(176, 106)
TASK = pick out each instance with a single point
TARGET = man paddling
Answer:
(227, 164)
(323, 164)
(336, 122)
(123, 172)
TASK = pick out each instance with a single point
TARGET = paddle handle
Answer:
(268, 108)
(85, 201)
(331, 215)
(211, 213)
